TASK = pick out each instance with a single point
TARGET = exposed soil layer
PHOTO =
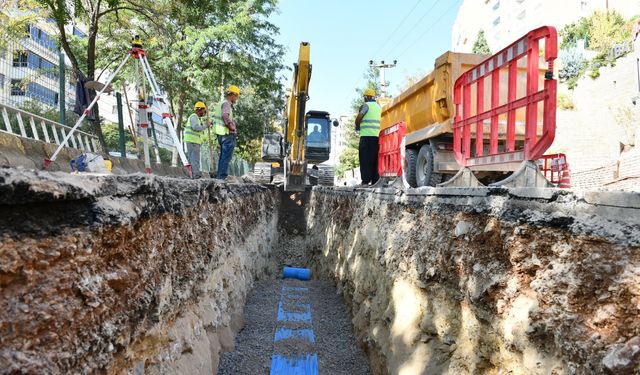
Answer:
(103, 274)
(484, 283)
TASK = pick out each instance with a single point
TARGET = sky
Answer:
(346, 34)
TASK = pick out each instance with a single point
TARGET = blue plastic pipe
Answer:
(296, 273)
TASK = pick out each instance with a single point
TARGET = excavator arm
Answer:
(295, 160)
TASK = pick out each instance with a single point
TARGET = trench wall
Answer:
(455, 281)
(127, 274)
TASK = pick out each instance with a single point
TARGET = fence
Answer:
(28, 125)
(30, 75)
(391, 151)
(505, 105)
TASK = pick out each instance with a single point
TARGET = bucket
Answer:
(296, 273)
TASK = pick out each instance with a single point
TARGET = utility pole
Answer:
(383, 82)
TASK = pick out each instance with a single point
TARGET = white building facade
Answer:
(338, 139)
(30, 70)
(505, 21)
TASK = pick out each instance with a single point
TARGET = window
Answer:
(46, 67)
(496, 22)
(42, 94)
(318, 132)
(1, 81)
(16, 87)
(42, 38)
(20, 58)
(522, 15)
(496, 6)
(78, 32)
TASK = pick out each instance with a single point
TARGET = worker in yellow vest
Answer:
(193, 135)
(368, 124)
(225, 129)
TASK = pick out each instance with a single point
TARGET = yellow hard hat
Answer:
(233, 90)
(200, 105)
(369, 92)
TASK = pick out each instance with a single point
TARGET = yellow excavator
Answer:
(306, 137)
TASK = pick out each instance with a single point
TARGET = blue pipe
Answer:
(296, 273)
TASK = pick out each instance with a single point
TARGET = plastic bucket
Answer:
(296, 273)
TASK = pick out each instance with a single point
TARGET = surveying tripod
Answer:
(142, 72)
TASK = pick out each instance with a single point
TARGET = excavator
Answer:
(305, 140)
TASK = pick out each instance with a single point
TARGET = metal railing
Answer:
(28, 125)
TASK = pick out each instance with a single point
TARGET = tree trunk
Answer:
(91, 72)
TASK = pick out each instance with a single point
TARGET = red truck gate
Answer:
(476, 114)
(391, 151)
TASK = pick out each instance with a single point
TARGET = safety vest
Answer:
(194, 136)
(220, 129)
(370, 125)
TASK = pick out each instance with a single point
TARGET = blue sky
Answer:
(346, 34)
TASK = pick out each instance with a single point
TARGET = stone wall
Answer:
(135, 274)
(455, 281)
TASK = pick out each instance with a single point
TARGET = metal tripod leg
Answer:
(166, 118)
(47, 162)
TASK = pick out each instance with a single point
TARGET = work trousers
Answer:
(227, 144)
(193, 155)
(368, 155)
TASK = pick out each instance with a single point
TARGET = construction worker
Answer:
(368, 124)
(193, 135)
(225, 129)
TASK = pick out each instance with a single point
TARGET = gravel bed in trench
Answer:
(335, 343)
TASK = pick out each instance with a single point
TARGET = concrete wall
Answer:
(461, 281)
(135, 274)
(604, 117)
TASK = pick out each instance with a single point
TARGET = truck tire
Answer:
(425, 165)
(411, 156)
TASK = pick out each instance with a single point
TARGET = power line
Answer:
(429, 29)
(396, 29)
(414, 26)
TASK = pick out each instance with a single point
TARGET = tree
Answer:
(481, 46)
(573, 65)
(206, 46)
(573, 32)
(92, 13)
(194, 48)
(605, 30)
(14, 22)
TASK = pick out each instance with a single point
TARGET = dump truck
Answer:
(428, 110)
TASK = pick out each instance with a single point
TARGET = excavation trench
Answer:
(146, 275)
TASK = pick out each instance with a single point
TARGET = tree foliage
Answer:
(607, 29)
(573, 66)
(14, 20)
(481, 46)
(194, 48)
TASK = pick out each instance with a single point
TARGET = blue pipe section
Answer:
(305, 365)
(296, 273)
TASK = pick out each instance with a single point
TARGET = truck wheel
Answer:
(411, 156)
(425, 165)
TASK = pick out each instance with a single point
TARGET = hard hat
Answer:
(369, 92)
(200, 105)
(233, 90)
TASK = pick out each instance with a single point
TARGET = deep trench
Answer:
(294, 326)
(143, 275)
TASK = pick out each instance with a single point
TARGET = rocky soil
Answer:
(134, 273)
(474, 284)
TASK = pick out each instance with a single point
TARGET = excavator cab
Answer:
(318, 141)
